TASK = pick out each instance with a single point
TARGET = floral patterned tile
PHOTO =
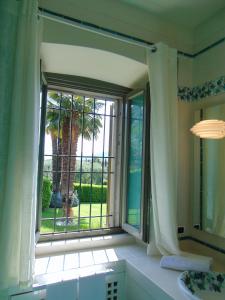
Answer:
(212, 284)
(209, 88)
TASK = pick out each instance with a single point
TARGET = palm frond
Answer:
(85, 108)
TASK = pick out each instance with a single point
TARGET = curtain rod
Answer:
(47, 14)
(51, 15)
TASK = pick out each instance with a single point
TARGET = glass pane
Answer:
(99, 137)
(79, 137)
(109, 127)
(110, 108)
(100, 106)
(135, 145)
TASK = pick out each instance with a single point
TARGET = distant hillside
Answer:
(85, 175)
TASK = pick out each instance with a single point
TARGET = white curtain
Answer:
(19, 131)
(163, 89)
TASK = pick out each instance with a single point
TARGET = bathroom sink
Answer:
(202, 285)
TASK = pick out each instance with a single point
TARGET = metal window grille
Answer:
(79, 163)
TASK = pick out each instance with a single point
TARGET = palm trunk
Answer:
(70, 136)
(56, 163)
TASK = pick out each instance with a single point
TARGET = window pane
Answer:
(110, 108)
(134, 180)
(78, 139)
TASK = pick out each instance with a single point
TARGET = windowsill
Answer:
(55, 268)
(72, 235)
(63, 246)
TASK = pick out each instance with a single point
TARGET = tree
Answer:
(52, 128)
(73, 117)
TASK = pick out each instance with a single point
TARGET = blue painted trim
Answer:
(218, 249)
(209, 47)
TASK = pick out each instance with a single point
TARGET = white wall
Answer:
(210, 31)
(58, 33)
(93, 63)
(209, 65)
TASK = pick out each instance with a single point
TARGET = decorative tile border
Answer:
(209, 88)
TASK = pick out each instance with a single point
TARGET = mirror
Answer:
(209, 200)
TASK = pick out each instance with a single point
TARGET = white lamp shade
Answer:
(209, 129)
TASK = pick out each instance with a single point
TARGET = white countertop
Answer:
(51, 268)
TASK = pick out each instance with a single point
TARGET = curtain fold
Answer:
(19, 129)
(163, 89)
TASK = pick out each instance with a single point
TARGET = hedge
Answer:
(86, 193)
(93, 194)
(46, 192)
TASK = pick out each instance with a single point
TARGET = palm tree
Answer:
(76, 117)
(52, 128)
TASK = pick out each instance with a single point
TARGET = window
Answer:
(135, 160)
(136, 191)
(79, 163)
(94, 161)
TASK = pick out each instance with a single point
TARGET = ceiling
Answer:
(92, 63)
(188, 13)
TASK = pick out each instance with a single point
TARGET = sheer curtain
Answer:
(163, 89)
(19, 131)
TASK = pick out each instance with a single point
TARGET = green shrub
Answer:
(46, 193)
(93, 194)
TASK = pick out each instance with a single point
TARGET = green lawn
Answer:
(134, 217)
(47, 226)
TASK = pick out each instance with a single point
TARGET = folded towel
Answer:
(191, 262)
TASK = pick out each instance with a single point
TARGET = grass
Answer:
(47, 226)
(134, 217)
